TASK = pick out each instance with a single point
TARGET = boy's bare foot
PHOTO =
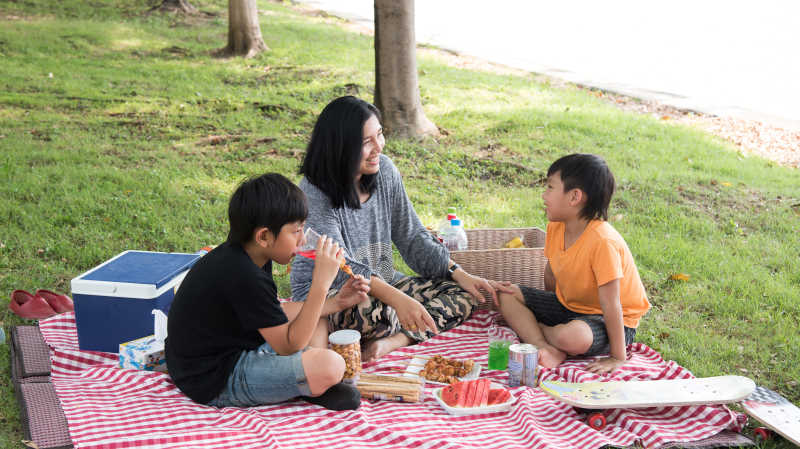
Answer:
(376, 349)
(550, 356)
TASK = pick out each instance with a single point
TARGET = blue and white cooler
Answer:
(114, 301)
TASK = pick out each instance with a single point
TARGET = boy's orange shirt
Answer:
(599, 256)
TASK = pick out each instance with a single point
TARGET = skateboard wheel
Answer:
(762, 433)
(596, 421)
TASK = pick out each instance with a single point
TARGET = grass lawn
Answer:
(119, 130)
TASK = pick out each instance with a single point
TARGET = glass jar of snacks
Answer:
(347, 343)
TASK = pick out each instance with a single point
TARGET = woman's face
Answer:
(371, 148)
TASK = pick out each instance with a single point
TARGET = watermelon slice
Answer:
(455, 395)
(462, 393)
(493, 394)
(498, 396)
(471, 393)
(450, 395)
(483, 392)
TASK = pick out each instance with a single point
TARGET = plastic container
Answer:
(444, 226)
(347, 343)
(465, 411)
(114, 301)
(456, 237)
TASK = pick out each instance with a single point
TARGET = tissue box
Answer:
(113, 301)
(146, 354)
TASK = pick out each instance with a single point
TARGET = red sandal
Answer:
(59, 303)
(30, 307)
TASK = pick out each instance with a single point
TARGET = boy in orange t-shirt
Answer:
(593, 297)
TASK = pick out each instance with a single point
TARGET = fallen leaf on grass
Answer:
(218, 140)
(665, 117)
(796, 208)
(212, 140)
(30, 443)
(617, 217)
(726, 184)
(679, 277)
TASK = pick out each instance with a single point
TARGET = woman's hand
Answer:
(473, 285)
(327, 260)
(503, 287)
(413, 316)
(354, 292)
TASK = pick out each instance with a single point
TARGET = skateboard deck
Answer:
(775, 412)
(651, 393)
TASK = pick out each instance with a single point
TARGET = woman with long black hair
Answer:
(356, 196)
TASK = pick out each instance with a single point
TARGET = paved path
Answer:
(729, 58)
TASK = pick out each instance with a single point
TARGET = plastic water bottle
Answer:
(444, 226)
(456, 238)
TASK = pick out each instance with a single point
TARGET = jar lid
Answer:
(344, 337)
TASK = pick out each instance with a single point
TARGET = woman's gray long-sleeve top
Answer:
(368, 234)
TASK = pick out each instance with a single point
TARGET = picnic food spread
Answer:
(441, 369)
(347, 344)
(403, 389)
(474, 393)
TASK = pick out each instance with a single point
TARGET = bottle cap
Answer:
(451, 210)
(455, 222)
(451, 216)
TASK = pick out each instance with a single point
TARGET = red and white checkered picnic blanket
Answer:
(108, 407)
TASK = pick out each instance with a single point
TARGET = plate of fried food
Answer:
(441, 370)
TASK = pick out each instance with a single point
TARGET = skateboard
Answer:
(649, 393)
(775, 412)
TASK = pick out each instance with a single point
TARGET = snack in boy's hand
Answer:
(346, 268)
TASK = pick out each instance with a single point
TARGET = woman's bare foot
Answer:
(376, 349)
(550, 356)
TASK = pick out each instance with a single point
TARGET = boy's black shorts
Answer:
(549, 311)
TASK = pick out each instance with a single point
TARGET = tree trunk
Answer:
(244, 30)
(176, 6)
(396, 82)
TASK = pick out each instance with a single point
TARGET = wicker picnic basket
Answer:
(487, 258)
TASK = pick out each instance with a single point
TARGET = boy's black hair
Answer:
(270, 201)
(333, 154)
(589, 173)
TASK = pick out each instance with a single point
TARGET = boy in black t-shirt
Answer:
(230, 343)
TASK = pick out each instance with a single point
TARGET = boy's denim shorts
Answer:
(549, 311)
(261, 376)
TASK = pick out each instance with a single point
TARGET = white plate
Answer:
(417, 363)
(461, 411)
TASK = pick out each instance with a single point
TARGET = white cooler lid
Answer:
(135, 274)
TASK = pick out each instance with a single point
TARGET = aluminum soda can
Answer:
(523, 364)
